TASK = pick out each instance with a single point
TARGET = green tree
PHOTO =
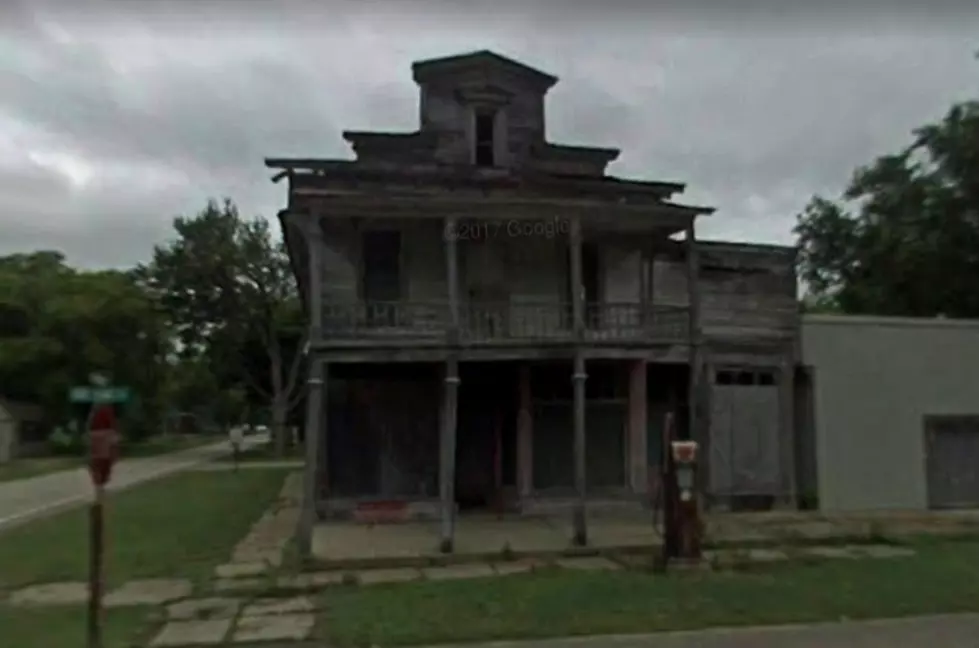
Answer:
(59, 325)
(223, 282)
(903, 238)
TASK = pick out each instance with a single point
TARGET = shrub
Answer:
(61, 442)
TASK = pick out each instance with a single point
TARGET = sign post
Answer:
(103, 454)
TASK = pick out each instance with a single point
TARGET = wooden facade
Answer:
(461, 242)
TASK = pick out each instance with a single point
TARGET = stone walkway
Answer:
(218, 620)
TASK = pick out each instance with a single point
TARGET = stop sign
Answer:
(103, 444)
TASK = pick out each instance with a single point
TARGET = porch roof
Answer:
(311, 172)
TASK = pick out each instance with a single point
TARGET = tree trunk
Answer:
(280, 414)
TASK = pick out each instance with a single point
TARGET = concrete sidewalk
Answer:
(953, 631)
(26, 499)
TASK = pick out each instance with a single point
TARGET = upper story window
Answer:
(485, 138)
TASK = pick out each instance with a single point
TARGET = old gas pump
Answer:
(684, 455)
(678, 496)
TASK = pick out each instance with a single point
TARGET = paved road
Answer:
(26, 499)
(958, 631)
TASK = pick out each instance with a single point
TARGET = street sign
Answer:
(87, 394)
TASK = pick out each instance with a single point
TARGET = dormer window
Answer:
(485, 138)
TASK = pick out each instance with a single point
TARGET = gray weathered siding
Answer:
(520, 125)
(745, 290)
(875, 379)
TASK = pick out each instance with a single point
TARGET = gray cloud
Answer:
(113, 120)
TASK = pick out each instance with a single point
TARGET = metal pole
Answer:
(96, 529)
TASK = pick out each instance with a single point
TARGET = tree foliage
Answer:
(226, 286)
(60, 324)
(904, 238)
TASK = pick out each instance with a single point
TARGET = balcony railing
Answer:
(491, 323)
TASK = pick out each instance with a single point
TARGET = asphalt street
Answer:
(953, 631)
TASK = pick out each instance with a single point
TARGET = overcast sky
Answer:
(116, 116)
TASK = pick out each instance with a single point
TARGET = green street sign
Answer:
(85, 394)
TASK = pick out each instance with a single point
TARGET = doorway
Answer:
(486, 434)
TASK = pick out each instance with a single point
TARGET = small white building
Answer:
(21, 432)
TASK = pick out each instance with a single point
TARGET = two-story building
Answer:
(497, 323)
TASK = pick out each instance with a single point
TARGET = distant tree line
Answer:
(211, 326)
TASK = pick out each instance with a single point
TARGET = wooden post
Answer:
(637, 459)
(697, 423)
(447, 455)
(525, 435)
(787, 431)
(579, 522)
(447, 434)
(315, 428)
(452, 278)
(95, 576)
(315, 431)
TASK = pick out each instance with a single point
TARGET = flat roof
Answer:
(889, 321)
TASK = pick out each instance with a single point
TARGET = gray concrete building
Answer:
(893, 421)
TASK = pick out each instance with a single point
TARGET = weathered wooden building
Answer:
(497, 322)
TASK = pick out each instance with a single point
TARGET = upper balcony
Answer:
(419, 324)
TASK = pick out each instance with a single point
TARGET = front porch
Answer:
(478, 538)
(514, 450)
(489, 538)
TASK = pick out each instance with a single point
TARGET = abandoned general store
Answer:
(497, 323)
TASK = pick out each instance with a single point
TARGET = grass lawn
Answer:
(942, 578)
(178, 526)
(162, 444)
(64, 627)
(36, 466)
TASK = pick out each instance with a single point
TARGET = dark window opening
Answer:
(725, 378)
(485, 139)
(382, 276)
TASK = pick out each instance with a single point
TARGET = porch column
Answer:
(315, 388)
(525, 436)
(447, 455)
(314, 469)
(697, 391)
(447, 434)
(579, 523)
(787, 432)
(638, 462)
